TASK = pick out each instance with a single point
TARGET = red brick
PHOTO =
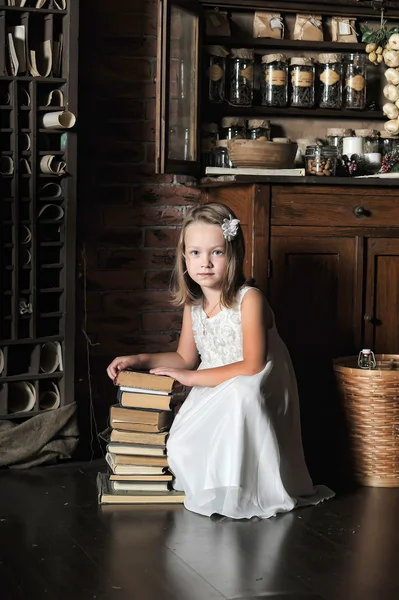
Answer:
(125, 152)
(128, 323)
(122, 89)
(122, 108)
(126, 302)
(124, 6)
(122, 259)
(151, 110)
(121, 68)
(130, 46)
(114, 195)
(124, 173)
(159, 195)
(150, 153)
(117, 23)
(128, 131)
(156, 280)
(93, 302)
(139, 216)
(165, 321)
(116, 236)
(117, 345)
(115, 280)
(161, 238)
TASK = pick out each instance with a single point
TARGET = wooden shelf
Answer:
(269, 44)
(226, 109)
(38, 11)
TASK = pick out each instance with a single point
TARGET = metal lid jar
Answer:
(330, 80)
(321, 160)
(216, 73)
(258, 129)
(354, 93)
(241, 77)
(302, 70)
(233, 127)
(274, 80)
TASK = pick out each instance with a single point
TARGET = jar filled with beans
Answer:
(321, 160)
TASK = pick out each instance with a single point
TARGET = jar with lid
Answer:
(321, 160)
(241, 77)
(336, 135)
(221, 155)
(330, 80)
(258, 129)
(274, 80)
(233, 127)
(210, 135)
(355, 81)
(216, 73)
(388, 141)
(371, 139)
(302, 82)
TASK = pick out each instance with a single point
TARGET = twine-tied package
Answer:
(343, 30)
(217, 23)
(268, 25)
(308, 28)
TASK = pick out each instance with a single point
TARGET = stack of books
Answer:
(136, 443)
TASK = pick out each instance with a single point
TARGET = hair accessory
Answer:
(230, 228)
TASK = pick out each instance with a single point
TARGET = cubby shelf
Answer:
(37, 256)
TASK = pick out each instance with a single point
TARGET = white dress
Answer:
(236, 449)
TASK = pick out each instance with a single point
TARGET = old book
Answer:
(141, 486)
(131, 399)
(145, 382)
(140, 420)
(133, 465)
(106, 495)
(137, 437)
(136, 449)
(164, 477)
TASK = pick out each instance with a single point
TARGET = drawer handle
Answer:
(368, 318)
(360, 211)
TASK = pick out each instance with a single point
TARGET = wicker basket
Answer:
(371, 402)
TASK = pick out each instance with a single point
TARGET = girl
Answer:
(235, 445)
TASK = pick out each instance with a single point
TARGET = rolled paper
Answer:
(49, 399)
(21, 396)
(25, 235)
(1, 361)
(50, 357)
(25, 256)
(6, 165)
(51, 165)
(51, 190)
(60, 119)
(52, 212)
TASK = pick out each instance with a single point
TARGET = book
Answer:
(145, 382)
(140, 420)
(135, 459)
(164, 477)
(135, 449)
(140, 486)
(130, 399)
(127, 468)
(137, 437)
(107, 495)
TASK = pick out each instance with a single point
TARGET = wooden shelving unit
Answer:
(37, 214)
(267, 43)
(225, 109)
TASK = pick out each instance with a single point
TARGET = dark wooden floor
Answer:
(56, 543)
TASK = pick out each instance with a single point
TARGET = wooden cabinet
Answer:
(329, 265)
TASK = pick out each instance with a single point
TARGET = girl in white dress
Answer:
(235, 446)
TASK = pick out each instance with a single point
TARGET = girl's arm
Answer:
(185, 357)
(255, 319)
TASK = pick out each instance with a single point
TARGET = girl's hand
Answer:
(120, 363)
(183, 376)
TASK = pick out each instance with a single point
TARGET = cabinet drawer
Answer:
(365, 209)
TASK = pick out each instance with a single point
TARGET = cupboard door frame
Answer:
(163, 164)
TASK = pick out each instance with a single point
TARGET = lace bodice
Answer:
(219, 339)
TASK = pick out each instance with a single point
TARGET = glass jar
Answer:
(355, 81)
(302, 82)
(216, 73)
(233, 127)
(274, 80)
(210, 135)
(258, 129)
(179, 141)
(241, 77)
(221, 152)
(321, 160)
(371, 139)
(330, 80)
(335, 137)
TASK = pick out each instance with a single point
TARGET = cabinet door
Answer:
(381, 316)
(315, 292)
(178, 68)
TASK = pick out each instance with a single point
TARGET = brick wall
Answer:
(129, 218)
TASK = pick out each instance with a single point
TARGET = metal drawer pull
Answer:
(360, 211)
(368, 317)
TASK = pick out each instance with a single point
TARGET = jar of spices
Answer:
(371, 139)
(258, 129)
(330, 80)
(210, 135)
(274, 80)
(387, 141)
(233, 128)
(355, 81)
(302, 82)
(241, 77)
(321, 160)
(335, 137)
(221, 153)
(216, 73)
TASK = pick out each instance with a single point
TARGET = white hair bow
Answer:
(230, 228)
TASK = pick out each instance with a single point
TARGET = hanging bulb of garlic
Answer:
(390, 110)
(391, 58)
(394, 41)
(391, 92)
(392, 76)
(392, 126)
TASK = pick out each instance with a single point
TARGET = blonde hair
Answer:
(183, 289)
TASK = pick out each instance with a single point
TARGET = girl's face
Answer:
(205, 254)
